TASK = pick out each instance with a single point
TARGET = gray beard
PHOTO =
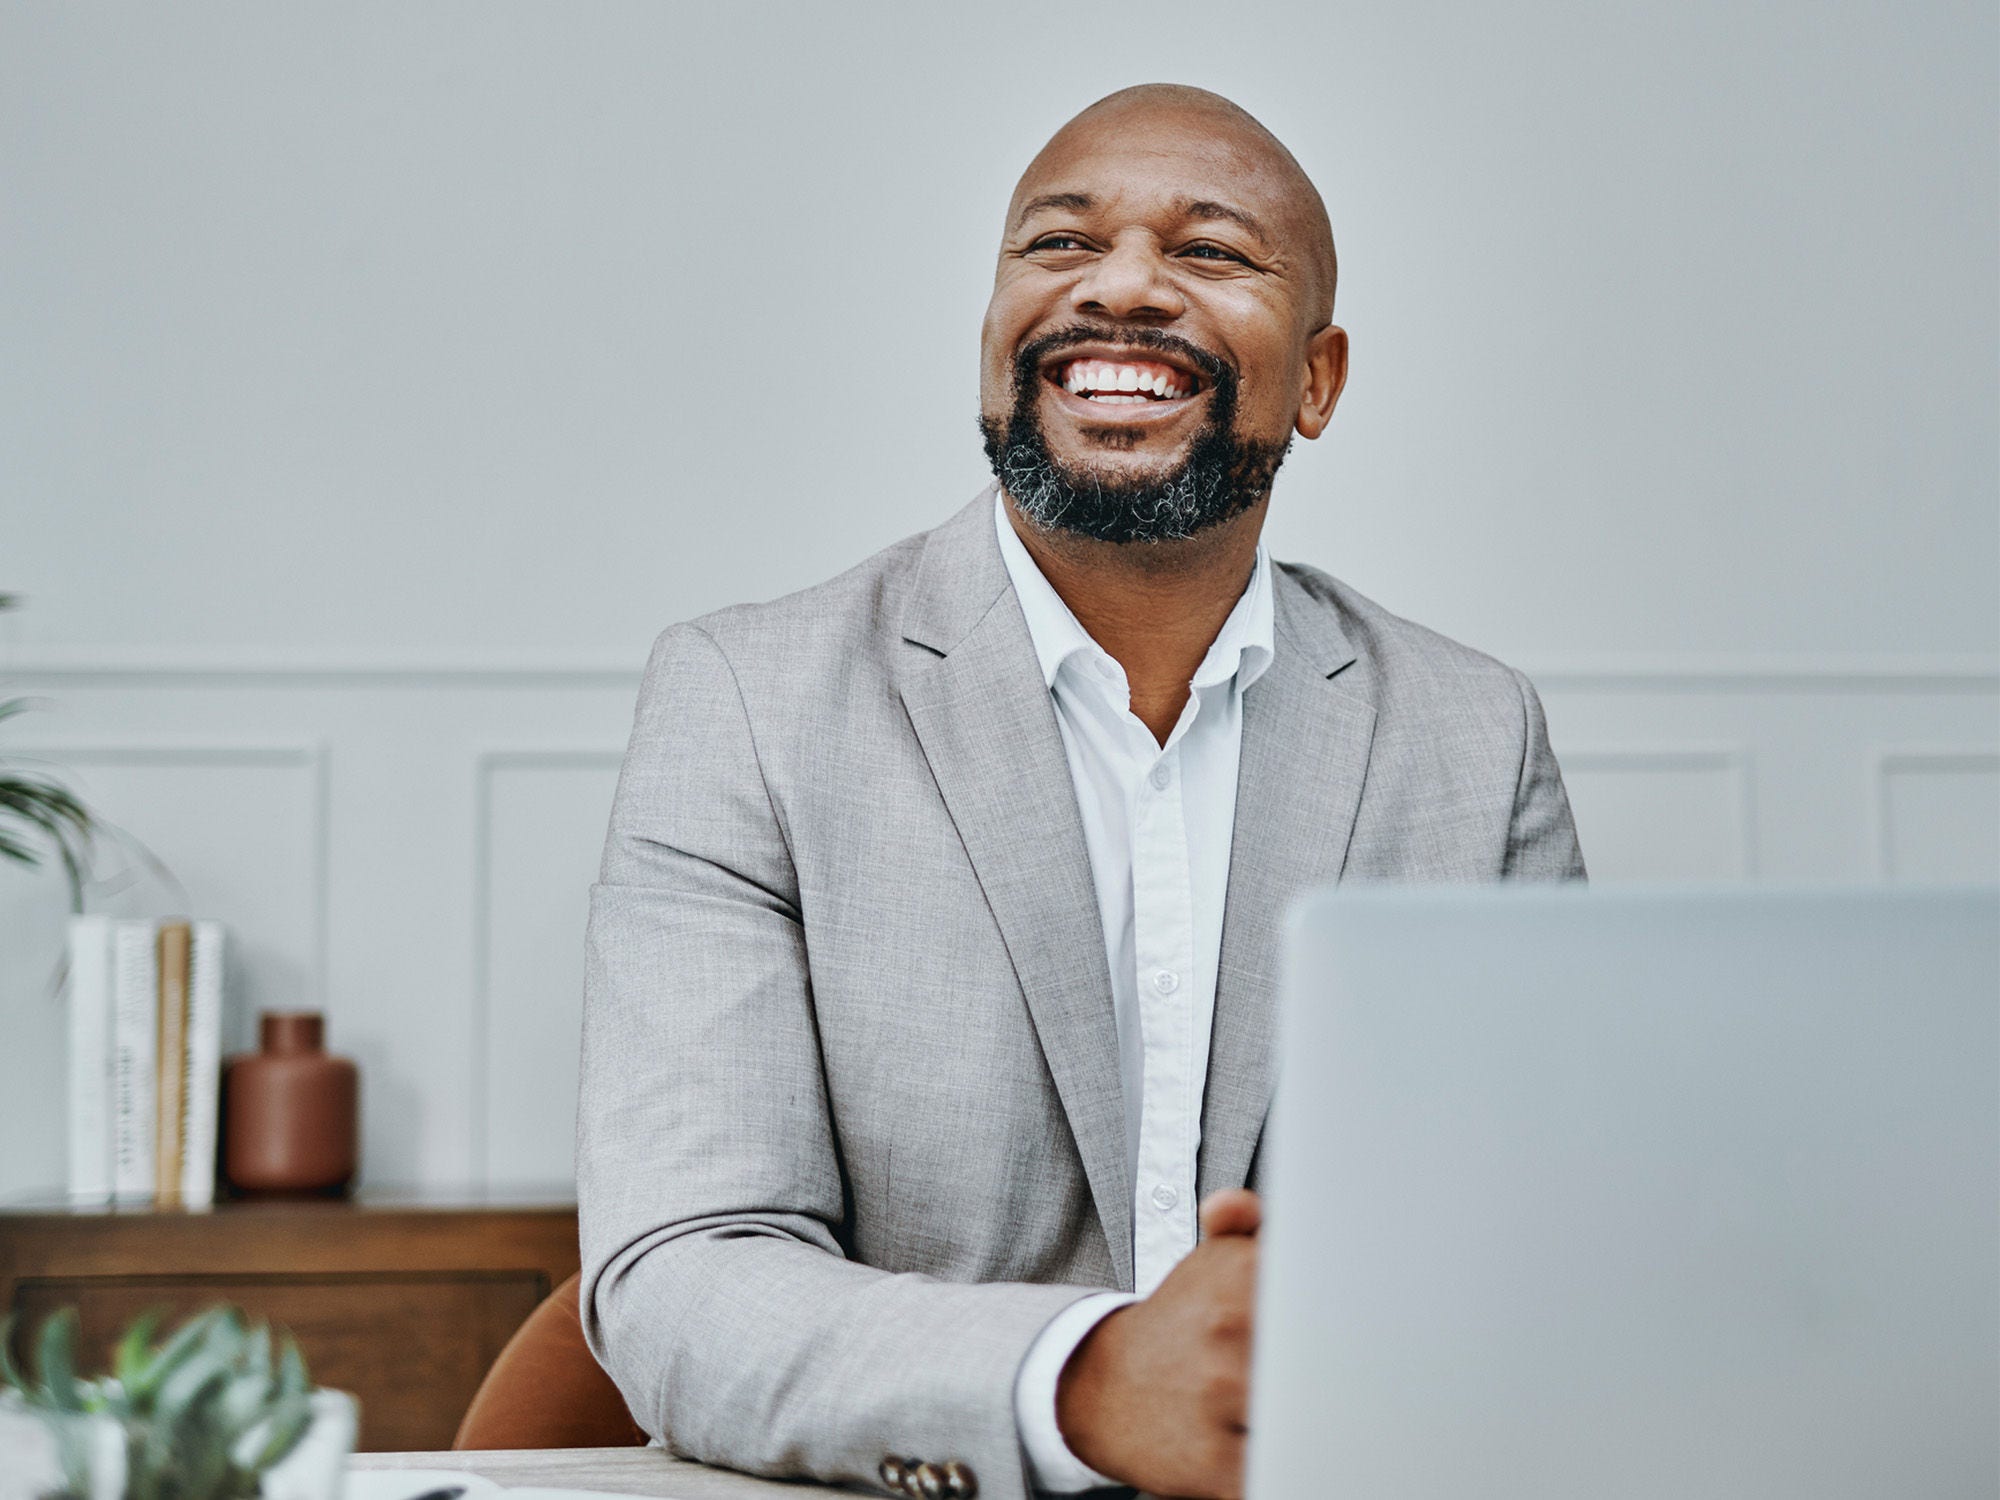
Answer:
(1222, 475)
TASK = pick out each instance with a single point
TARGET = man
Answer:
(931, 970)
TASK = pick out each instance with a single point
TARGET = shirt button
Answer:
(1166, 981)
(1161, 776)
(1165, 1197)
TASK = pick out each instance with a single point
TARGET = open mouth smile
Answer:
(1105, 383)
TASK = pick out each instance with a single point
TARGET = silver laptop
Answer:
(1633, 1194)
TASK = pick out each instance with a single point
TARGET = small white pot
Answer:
(31, 1462)
(317, 1468)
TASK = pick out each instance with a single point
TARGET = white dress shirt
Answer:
(1157, 821)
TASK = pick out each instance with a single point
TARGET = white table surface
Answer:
(622, 1471)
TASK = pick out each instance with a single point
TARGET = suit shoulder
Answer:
(836, 619)
(1393, 648)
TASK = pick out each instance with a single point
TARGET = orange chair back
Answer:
(546, 1390)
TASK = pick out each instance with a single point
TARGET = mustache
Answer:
(1215, 369)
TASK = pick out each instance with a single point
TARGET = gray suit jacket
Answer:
(851, 1130)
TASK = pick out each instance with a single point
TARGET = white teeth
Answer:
(1120, 384)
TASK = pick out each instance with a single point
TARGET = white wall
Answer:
(376, 380)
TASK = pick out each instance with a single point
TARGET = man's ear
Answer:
(1326, 375)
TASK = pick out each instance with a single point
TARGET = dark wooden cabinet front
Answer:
(404, 1304)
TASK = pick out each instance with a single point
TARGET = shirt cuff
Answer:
(1051, 1465)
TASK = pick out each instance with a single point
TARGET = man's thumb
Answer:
(1231, 1211)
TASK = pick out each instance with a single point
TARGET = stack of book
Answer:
(145, 1060)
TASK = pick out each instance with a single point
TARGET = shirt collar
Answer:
(1242, 649)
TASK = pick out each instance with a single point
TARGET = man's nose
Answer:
(1128, 281)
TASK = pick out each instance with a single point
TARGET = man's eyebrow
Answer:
(1076, 202)
(1188, 208)
(1207, 208)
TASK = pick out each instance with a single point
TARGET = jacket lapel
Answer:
(1298, 785)
(984, 718)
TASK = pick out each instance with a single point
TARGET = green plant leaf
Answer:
(205, 1463)
(9, 1372)
(179, 1346)
(55, 1360)
(192, 1382)
(243, 1402)
(257, 1344)
(288, 1424)
(292, 1381)
(128, 1363)
(50, 809)
(149, 1454)
(24, 793)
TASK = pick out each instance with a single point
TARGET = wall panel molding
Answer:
(1890, 761)
(1727, 758)
(310, 755)
(118, 668)
(464, 787)
(487, 762)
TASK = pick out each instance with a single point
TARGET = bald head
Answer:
(1232, 132)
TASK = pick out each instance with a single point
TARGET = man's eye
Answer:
(1057, 242)
(1210, 252)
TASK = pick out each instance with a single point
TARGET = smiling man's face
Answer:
(1159, 325)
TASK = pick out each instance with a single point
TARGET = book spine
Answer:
(135, 1035)
(204, 1070)
(171, 1059)
(90, 1059)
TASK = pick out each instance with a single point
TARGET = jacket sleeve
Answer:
(710, 1187)
(1541, 835)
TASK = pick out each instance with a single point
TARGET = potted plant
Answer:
(211, 1413)
(35, 809)
(35, 805)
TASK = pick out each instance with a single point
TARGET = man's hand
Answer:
(1157, 1395)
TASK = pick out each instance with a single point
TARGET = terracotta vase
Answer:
(291, 1112)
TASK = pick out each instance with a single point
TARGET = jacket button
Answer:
(892, 1472)
(929, 1482)
(959, 1483)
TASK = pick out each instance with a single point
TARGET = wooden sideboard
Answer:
(405, 1302)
